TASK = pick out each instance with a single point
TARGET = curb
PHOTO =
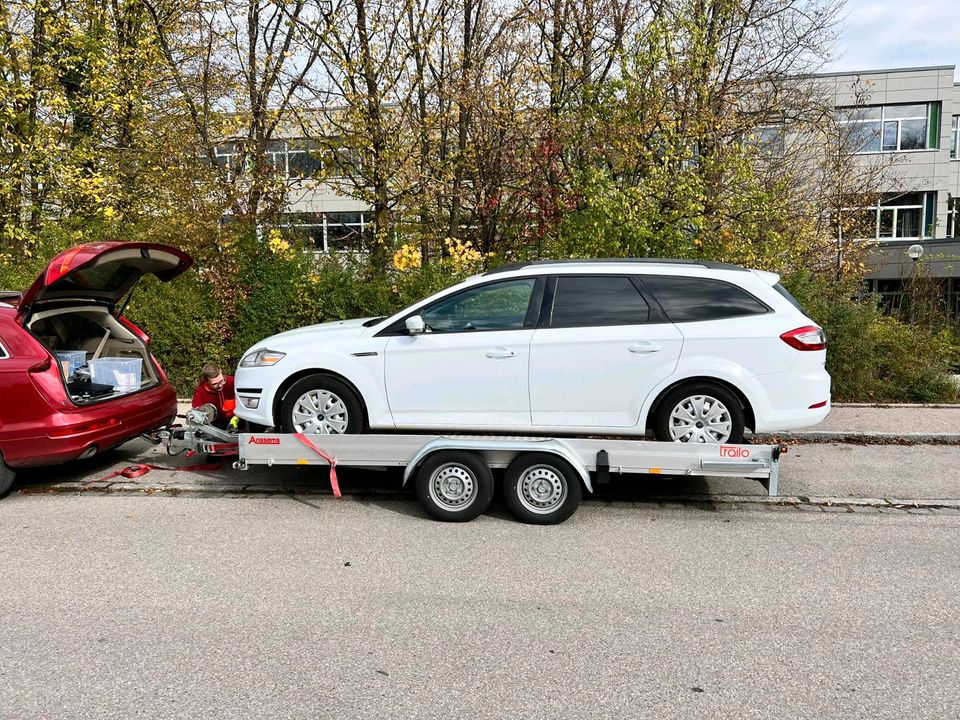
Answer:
(946, 506)
(883, 406)
(858, 438)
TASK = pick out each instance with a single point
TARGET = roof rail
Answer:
(709, 264)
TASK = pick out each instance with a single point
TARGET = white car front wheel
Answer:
(321, 405)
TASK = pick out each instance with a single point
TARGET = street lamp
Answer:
(915, 252)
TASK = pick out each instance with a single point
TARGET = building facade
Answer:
(908, 116)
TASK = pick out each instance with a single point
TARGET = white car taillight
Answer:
(808, 337)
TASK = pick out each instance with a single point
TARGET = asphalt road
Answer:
(120, 606)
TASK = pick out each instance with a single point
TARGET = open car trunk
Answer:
(94, 330)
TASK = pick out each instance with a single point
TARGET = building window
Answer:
(906, 216)
(953, 205)
(293, 159)
(953, 297)
(890, 128)
(902, 216)
(890, 293)
(954, 138)
(327, 232)
(231, 157)
(767, 138)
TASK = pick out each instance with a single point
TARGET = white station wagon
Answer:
(690, 351)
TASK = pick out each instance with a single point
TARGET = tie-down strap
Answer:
(330, 459)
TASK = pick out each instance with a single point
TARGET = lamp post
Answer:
(914, 252)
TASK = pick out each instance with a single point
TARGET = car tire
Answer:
(689, 414)
(541, 488)
(454, 485)
(334, 406)
(6, 478)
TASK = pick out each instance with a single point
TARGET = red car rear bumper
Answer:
(63, 436)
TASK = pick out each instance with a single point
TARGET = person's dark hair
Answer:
(210, 371)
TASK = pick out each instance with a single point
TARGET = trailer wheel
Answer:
(541, 488)
(6, 478)
(454, 485)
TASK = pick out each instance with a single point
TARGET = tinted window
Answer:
(3, 353)
(790, 298)
(597, 300)
(497, 306)
(693, 299)
(109, 276)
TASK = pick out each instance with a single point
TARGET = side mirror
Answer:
(415, 325)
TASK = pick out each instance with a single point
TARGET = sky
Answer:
(879, 34)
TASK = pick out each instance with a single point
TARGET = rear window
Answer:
(596, 301)
(697, 299)
(790, 298)
(109, 276)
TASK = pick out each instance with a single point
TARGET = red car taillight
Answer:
(808, 337)
(46, 377)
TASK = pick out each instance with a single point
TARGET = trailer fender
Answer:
(509, 445)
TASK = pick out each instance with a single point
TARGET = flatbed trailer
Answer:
(544, 477)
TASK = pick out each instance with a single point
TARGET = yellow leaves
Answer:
(277, 245)
(463, 256)
(407, 258)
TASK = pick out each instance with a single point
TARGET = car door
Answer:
(599, 350)
(469, 369)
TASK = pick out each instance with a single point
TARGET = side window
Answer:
(597, 300)
(3, 352)
(695, 299)
(497, 306)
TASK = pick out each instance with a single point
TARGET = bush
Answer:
(244, 290)
(870, 356)
(181, 317)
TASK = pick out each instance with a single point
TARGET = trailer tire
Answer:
(454, 485)
(541, 488)
(6, 478)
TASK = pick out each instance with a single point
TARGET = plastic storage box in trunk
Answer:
(74, 359)
(122, 373)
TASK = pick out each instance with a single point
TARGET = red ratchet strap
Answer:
(132, 472)
(333, 462)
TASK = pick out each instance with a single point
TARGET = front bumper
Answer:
(251, 386)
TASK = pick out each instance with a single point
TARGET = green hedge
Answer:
(212, 314)
(873, 357)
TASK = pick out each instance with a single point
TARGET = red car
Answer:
(51, 412)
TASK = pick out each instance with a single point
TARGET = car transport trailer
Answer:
(544, 477)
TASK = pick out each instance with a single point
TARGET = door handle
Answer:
(644, 348)
(500, 353)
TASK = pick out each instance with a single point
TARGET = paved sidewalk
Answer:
(939, 420)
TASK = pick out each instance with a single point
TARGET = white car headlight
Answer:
(262, 358)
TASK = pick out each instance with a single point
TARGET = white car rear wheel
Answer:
(700, 413)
